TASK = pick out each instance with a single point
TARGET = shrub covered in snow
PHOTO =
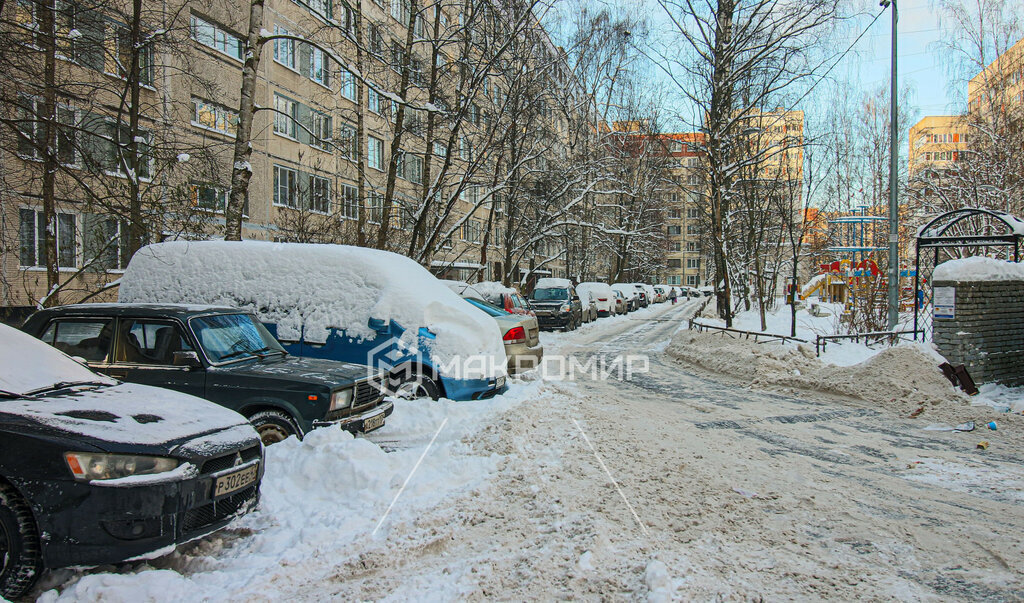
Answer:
(313, 287)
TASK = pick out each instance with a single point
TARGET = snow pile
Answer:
(553, 283)
(903, 378)
(29, 364)
(978, 268)
(307, 289)
(323, 500)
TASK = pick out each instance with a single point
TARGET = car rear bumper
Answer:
(86, 524)
(473, 389)
(522, 357)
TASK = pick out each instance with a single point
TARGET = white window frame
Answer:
(320, 63)
(39, 252)
(324, 195)
(219, 40)
(284, 49)
(349, 209)
(286, 116)
(220, 114)
(289, 188)
(375, 157)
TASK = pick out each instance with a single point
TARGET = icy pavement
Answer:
(676, 484)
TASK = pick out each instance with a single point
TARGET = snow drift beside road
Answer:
(314, 286)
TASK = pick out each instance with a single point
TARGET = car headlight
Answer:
(341, 399)
(89, 466)
(564, 308)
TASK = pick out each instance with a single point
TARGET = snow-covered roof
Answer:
(553, 283)
(297, 285)
(978, 268)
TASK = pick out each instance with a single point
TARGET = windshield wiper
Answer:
(65, 385)
(6, 394)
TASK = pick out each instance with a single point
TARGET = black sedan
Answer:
(94, 471)
(224, 355)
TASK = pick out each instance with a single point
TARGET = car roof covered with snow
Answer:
(308, 289)
(553, 283)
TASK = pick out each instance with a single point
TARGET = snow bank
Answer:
(903, 378)
(322, 500)
(315, 287)
(978, 268)
(553, 283)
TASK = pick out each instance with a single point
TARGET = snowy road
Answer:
(739, 493)
(673, 484)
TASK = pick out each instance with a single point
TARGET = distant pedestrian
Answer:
(674, 293)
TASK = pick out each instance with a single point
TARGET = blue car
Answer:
(330, 302)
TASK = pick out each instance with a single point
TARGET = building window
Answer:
(471, 231)
(319, 194)
(674, 230)
(320, 130)
(105, 242)
(286, 116)
(691, 280)
(376, 203)
(32, 237)
(674, 280)
(692, 246)
(693, 262)
(209, 198)
(675, 263)
(349, 202)
(691, 229)
(374, 101)
(321, 8)
(692, 213)
(347, 142)
(118, 138)
(675, 214)
(212, 36)
(676, 246)
(440, 149)
(348, 84)
(284, 49)
(118, 55)
(375, 153)
(214, 117)
(410, 167)
(284, 187)
(319, 67)
(33, 131)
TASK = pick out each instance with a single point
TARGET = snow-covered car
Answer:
(660, 293)
(630, 293)
(94, 471)
(504, 297)
(556, 304)
(604, 296)
(521, 336)
(643, 295)
(336, 302)
(621, 303)
(222, 355)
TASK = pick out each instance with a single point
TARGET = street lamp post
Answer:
(894, 252)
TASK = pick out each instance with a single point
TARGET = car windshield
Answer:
(550, 294)
(227, 337)
(490, 309)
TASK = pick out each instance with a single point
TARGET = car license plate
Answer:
(227, 484)
(371, 423)
(499, 383)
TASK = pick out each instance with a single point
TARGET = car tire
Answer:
(274, 426)
(418, 386)
(20, 552)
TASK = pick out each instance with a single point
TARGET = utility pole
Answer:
(894, 252)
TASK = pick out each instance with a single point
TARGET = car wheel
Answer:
(273, 426)
(418, 386)
(20, 554)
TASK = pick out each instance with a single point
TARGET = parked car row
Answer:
(246, 343)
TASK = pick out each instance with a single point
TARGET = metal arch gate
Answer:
(937, 235)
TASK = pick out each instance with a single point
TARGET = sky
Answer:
(920, 63)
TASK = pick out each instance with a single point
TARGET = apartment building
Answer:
(683, 221)
(331, 84)
(999, 87)
(937, 143)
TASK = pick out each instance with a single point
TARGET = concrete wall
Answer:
(986, 333)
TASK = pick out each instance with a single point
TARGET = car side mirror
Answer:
(187, 359)
(575, 298)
